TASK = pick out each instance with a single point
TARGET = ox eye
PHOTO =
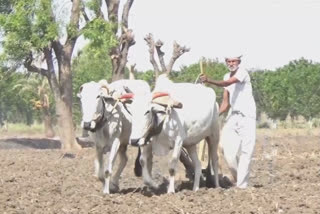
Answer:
(147, 112)
(161, 112)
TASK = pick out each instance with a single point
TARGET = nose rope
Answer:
(115, 105)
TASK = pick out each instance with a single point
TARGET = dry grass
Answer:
(282, 132)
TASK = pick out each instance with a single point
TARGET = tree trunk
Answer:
(48, 129)
(64, 104)
(62, 91)
(119, 54)
(61, 82)
(65, 127)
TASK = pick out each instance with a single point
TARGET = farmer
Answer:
(239, 132)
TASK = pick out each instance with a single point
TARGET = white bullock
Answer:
(106, 114)
(181, 117)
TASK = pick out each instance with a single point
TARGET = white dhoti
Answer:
(238, 140)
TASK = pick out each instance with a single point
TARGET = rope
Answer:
(115, 105)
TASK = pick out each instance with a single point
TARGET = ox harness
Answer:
(101, 109)
(155, 126)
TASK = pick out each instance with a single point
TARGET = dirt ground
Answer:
(36, 178)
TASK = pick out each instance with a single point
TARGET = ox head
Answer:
(93, 97)
(149, 113)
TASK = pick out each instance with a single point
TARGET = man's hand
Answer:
(203, 78)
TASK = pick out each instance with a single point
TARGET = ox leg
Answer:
(188, 165)
(123, 162)
(112, 158)
(213, 162)
(99, 163)
(173, 164)
(96, 167)
(192, 150)
(146, 164)
(137, 165)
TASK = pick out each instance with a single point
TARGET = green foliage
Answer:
(44, 28)
(276, 87)
(100, 34)
(148, 76)
(14, 106)
(5, 6)
(212, 68)
(34, 88)
(292, 89)
(92, 64)
(304, 89)
(29, 28)
(94, 5)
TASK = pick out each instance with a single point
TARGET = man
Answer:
(239, 133)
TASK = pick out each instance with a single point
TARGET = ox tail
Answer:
(137, 165)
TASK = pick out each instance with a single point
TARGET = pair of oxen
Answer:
(174, 116)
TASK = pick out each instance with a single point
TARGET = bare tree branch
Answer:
(52, 78)
(178, 50)
(119, 54)
(125, 13)
(113, 8)
(114, 60)
(28, 64)
(160, 53)
(74, 24)
(84, 14)
(99, 12)
(150, 42)
(126, 39)
(131, 72)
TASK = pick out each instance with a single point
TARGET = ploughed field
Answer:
(36, 178)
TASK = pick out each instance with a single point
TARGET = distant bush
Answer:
(264, 125)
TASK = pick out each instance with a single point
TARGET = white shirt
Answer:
(240, 94)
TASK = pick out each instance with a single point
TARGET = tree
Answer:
(289, 90)
(12, 107)
(35, 91)
(303, 90)
(119, 51)
(31, 32)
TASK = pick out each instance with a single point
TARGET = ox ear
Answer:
(167, 101)
(104, 86)
(127, 90)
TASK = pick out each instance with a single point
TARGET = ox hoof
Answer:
(106, 191)
(190, 175)
(171, 192)
(114, 188)
(152, 185)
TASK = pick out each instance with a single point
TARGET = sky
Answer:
(268, 33)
